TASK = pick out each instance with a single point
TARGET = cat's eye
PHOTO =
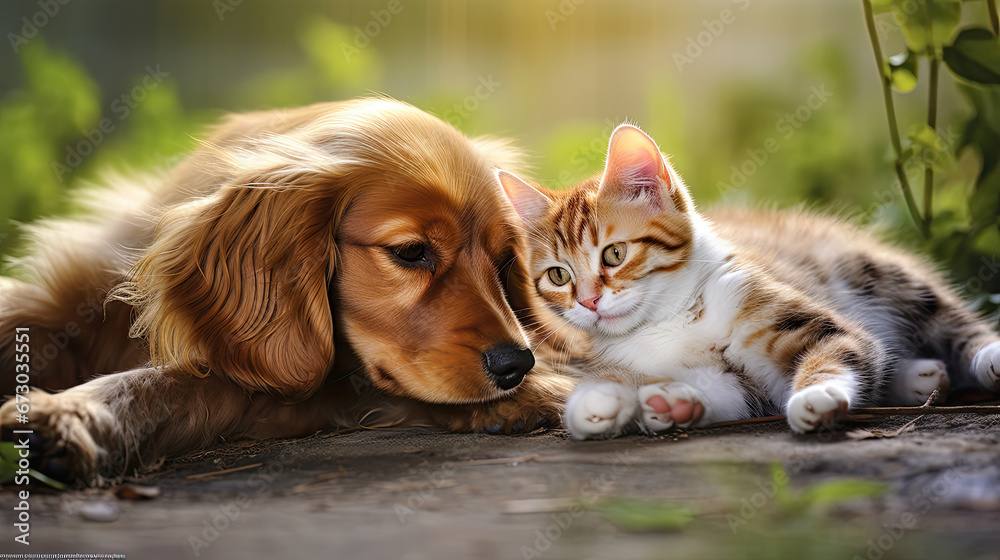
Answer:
(613, 254)
(558, 276)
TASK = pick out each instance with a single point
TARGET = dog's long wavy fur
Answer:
(256, 284)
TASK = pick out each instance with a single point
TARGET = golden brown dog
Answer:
(292, 259)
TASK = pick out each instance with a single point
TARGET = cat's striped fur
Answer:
(698, 318)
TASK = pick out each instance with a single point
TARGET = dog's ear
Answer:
(236, 283)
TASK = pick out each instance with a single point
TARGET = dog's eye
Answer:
(412, 255)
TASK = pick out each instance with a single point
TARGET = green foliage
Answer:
(38, 121)
(8, 468)
(821, 496)
(927, 24)
(644, 515)
(961, 227)
(975, 56)
(902, 71)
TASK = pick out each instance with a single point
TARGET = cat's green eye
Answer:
(614, 254)
(558, 276)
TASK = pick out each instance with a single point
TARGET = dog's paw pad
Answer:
(986, 366)
(667, 405)
(815, 406)
(599, 410)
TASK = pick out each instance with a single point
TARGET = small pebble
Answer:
(100, 510)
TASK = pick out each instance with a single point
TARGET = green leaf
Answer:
(881, 6)
(842, 490)
(975, 56)
(927, 25)
(903, 71)
(640, 515)
(8, 461)
(984, 204)
(45, 479)
(928, 145)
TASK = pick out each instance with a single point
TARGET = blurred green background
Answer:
(760, 102)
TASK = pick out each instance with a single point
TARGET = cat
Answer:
(695, 319)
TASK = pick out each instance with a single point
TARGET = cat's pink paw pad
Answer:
(667, 405)
(815, 406)
(658, 404)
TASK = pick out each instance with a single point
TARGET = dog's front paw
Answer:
(986, 366)
(815, 406)
(600, 410)
(68, 430)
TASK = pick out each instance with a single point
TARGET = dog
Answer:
(300, 269)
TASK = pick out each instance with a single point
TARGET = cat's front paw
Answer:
(915, 380)
(665, 405)
(986, 366)
(815, 406)
(600, 410)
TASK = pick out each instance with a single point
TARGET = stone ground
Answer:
(421, 494)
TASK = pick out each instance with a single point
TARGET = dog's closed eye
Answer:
(413, 255)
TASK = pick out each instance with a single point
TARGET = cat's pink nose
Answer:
(591, 303)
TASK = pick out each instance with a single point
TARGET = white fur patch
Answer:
(598, 410)
(986, 366)
(914, 380)
(815, 405)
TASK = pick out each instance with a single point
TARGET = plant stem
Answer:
(929, 165)
(904, 183)
(994, 20)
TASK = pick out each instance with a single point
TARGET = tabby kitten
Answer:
(696, 319)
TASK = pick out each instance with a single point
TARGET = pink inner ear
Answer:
(634, 163)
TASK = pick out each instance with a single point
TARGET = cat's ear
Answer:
(635, 167)
(531, 204)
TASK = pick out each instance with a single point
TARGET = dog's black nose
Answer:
(506, 365)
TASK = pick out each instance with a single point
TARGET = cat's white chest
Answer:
(693, 339)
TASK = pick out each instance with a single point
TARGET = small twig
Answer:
(874, 412)
(890, 110)
(501, 461)
(867, 413)
(223, 471)
(747, 421)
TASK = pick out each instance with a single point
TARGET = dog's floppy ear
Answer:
(236, 283)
